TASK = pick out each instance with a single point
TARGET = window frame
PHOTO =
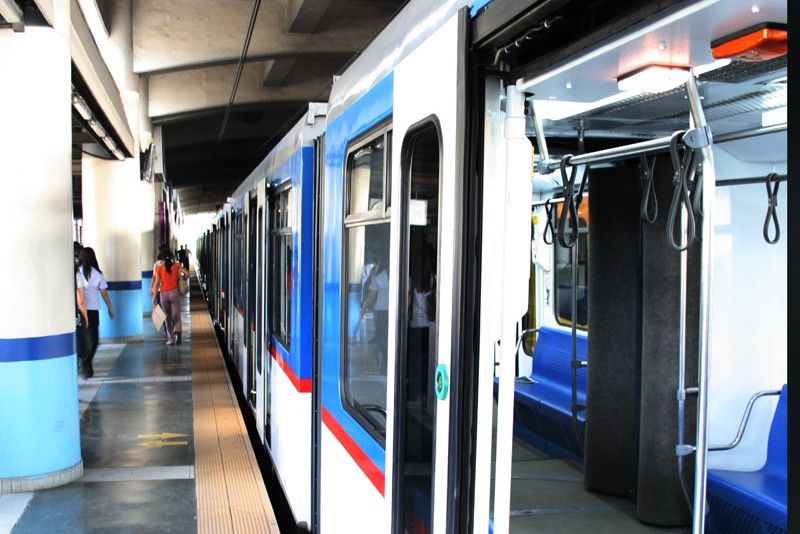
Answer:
(279, 229)
(349, 221)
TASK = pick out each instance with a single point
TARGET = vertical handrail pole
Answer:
(681, 447)
(516, 270)
(541, 142)
(574, 307)
(707, 256)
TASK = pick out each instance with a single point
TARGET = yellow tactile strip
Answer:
(231, 496)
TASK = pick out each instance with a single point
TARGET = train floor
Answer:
(164, 445)
(547, 495)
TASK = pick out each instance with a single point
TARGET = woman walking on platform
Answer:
(90, 278)
(165, 281)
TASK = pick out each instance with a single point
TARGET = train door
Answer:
(251, 313)
(260, 378)
(316, 355)
(429, 128)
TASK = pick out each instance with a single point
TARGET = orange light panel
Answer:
(760, 44)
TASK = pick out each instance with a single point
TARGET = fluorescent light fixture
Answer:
(81, 107)
(555, 110)
(96, 128)
(774, 116)
(10, 11)
(653, 79)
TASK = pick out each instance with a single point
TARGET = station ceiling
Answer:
(189, 51)
(189, 55)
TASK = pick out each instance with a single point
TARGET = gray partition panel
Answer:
(612, 389)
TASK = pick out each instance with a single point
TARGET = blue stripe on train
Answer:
(366, 112)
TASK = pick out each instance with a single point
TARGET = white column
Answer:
(40, 445)
(112, 227)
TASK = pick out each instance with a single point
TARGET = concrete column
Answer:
(40, 443)
(148, 255)
(112, 226)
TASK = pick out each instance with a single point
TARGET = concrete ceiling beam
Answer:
(185, 91)
(169, 35)
(276, 71)
(305, 15)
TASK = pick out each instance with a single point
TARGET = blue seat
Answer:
(753, 501)
(543, 408)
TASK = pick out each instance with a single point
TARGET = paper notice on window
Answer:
(418, 213)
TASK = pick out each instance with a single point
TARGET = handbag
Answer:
(183, 285)
(158, 316)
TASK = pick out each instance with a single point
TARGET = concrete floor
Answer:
(136, 443)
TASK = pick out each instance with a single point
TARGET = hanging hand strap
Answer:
(772, 202)
(568, 221)
(549, 232)
(649, 206)
(680, 193)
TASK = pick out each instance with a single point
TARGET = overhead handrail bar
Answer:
(751, 180)
(541, 141)
(660, 144)
(727, 182)
(745, 419)
(746, 134)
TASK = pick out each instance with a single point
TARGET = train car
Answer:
(526, 275)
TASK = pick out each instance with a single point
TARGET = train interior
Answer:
(595, 449)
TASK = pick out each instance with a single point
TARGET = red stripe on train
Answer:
(303, 385)
(359, 457)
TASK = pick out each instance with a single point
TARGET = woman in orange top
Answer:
(165, 283)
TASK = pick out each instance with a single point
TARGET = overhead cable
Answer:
(239, 68)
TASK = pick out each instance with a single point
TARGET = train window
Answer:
(281, 266)
(368, 177)
(366, 303)
(562, 286)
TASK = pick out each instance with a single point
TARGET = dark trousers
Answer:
(88, 338)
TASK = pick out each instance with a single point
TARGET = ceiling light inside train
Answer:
(653, 79)
(774, 116)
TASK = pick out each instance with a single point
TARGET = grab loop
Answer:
(649, 206)
(683, 168)
(567, 230)
(772, 202)
(549, 232)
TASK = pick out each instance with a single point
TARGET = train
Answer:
(524, 270)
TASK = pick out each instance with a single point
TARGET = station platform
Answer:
(164, 446)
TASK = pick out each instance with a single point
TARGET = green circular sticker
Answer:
(441, 381)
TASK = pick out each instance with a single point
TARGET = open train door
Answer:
(429, 137)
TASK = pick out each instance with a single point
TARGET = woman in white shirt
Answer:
(91, 279)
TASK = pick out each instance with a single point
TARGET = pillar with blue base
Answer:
(112, 226)
(40, 443)
(149, 200)
(147, 298)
